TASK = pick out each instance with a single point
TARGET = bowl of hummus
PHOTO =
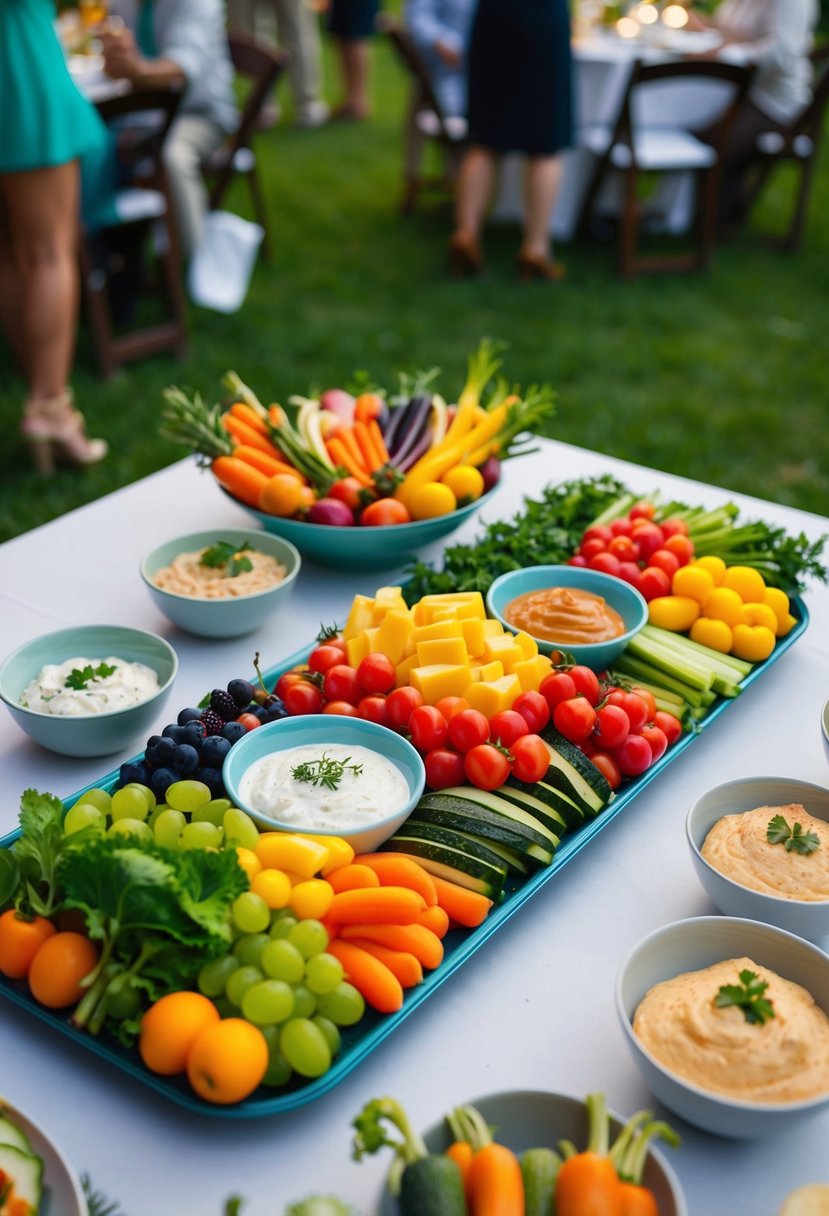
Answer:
(585, 613)
(760, 848)
(824, 728)
(224, 583)
(728, 1022)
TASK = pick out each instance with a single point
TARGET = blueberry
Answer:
(173, 731)
(213, 751)
(261, 713)
(212, 778)
(162, 779)
(153, 739)
(164, 750)
(275, 710)
(193, 733)
(190, 714)
(185, 760)
(241, 691)
(134, 770)
(233, 731)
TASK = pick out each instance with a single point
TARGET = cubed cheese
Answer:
(360, 616)
(504, 648)
(529, 646)
(488, 671)
(442, 650)
(394, 632)
(363, 643)
(492, 628)
(402, 671)
(473, 635)
(532, 671)
(437, 629)
(493, 696)
(440, 680)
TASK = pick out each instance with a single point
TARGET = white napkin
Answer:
(221, 268)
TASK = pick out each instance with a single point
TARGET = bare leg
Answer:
(11, 292)
(476, 179)
(541, 185)
(355, 60)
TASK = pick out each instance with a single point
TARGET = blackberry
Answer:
(213, 721)
(224, 705)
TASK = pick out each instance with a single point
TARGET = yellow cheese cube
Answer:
(488, 671)
(442, 650)
(532, 671)
(402, 671)
(363, 643)
(431, 603)
(440, 680)
(493, 696)
(394, 633)
(449, 612)
(504, 648)
(492, 628)
(473, 635)
(386, 599)
(437, 629)
(529, 646)
(360, 616)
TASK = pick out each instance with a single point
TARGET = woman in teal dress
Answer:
(46, 128)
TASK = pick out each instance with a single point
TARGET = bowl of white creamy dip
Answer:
(90, 690)
(326, 775)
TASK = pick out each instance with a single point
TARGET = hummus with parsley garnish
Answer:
(792, 862)
(782, 1056)
(221, 572)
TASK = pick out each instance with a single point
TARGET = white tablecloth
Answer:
(533, 1009)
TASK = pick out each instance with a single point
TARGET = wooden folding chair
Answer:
(260, 65)
(426, 122)
(633, 147)
(145, 232)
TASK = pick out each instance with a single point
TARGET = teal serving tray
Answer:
(459, 945)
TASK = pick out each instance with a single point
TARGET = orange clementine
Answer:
(20, 940)
(170, 1027)
(228, 1061)
(58, 967)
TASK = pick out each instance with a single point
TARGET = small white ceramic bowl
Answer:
(807, 918)
(100, 734)
(691, 945)
(222, 618)
(824, 727)
(322, 730)
(63, 1191)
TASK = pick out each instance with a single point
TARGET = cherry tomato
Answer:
(376, 673)
(605, 563)
(449, 706)
(577, 560)
(664, 559)
(681, 546)
(507, 726)
(599, 531)
(399, 706)
(656, 738)
(648, 537)
(612, 726)
(249, 721)
(673, 527)
(344, 708)
(590, 547)
(633, 756)
(530, 758)
(533, 708)
(630, 572)
(485, 766)
(625, 548)
(373, 709)
(468, 729)
(608, 767)
(642, 510)
(444, 767)
(586, 682)
(621, 527)
(557, 686)
(648, 697)
(350, 491)
(303, 697)
(636, 709)
(428, 728)
(653, 582)
(575, 718)
(340, 683)
(325, 656)
(669, 724)
(385, 511)
(285, 681)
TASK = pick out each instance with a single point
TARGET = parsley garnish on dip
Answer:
(324, 788)
(82, 687)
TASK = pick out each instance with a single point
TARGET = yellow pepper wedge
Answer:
(760, 614)
(674, 612)
(747, 582)
(754, 643)
(724, 604)
(712, 633)
(715, 566)
(292, 852)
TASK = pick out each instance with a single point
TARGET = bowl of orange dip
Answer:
(584, 613)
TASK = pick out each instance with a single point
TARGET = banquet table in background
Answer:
(532, 1009)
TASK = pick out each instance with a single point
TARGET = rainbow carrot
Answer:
(414, 939)
(400, 870)
(241, 480)
(402, 964)
(379, 986)
(376, 905)
(351, 877)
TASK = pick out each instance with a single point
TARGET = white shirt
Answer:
(777, 36)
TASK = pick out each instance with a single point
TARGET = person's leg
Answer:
(298, 31)
(476, 181)
(542, 179)
(355, 61)
(191, 139)
(11, 291)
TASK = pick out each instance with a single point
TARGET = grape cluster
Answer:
(196, 744)
(280, 977)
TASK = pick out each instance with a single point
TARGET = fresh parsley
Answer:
(80, 677)
(748, 996)
(794, 838)
(225, 554)
(325, 771)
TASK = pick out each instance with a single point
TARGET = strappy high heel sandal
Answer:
(532, 268)
(54, 430)
(465, 257)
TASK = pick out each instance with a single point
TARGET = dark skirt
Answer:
(520, 77)
(353, 18)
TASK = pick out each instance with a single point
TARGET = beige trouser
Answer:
(192, 138)
(297, 30)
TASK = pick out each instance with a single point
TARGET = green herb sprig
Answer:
(80, 677)
(748, 996)
(223, 553)
(794, 838)
(325, 771)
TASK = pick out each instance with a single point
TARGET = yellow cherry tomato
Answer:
(714, 565)
(724, 604)
(311, 899)
(674, 612)
(748, 583)
(431, 499)
(465, 481)
(760, 614)
(693, 581)
(340, 852)
(754, 643)
(248, 860)
(778, 601)
(712, 633)
(274, 886)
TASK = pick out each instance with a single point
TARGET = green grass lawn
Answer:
(719, 377)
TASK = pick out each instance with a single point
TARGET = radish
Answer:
(331, 511)
(339, 402)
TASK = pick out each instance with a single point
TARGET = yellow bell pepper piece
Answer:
(760, 614)
(724, 604)
(754, 643)
(674, 612)
(340, 852)
(713, 633)
(290, 851)
(778, 601)
(748, 583)
(714, 565)
(693, 581)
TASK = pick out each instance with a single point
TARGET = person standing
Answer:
(46, 127)
(440, 30)
(351, 23)
(520, 100)
(297, 30)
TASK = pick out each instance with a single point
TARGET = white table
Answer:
(533, 1009)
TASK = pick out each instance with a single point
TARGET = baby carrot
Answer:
(378, 440)
(340, 455)
(377, 905)
(264, 462)
(364, 441)
(415, 939)
(243, 433)
(464, 907)
(348, 439)
(436, 919)
(241, 409)
(398, 870)
(400, 962)
(380, 988)
(349, 878)
(462, 1152)
(496, 1185)
(239, 479)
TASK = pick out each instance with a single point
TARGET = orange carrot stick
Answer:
(400, 962)
(240, 409)
(378, 440)
(496, 1186)
(264, 462)
(414, 939)
(239, 430)
(362, 437)
(347, 437)
(436, 919)
(399, 870)
(351, 877)
(462, 1152)
(379, 986)
(465, 907)
(376, 905)
(340, 455)
(241, 480)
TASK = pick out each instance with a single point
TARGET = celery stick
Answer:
(685, 645)
(637, 669)
(692, 672)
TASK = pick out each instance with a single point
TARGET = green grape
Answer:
(282, 961)
(167, 828)
(249, 949)
(209, 812)
(309, 936)
(145, 790)
(282, 922)
(130, 827)
(250, 912)
(279, 1070)
(123, 1003)
(305, 1003)
(344, 1005)
(268, 1002)
(213, 976)
(200, 836)
(83, 815)
(187, 795)
(323, 973)
(97, 797)
(329, 1030)
(129, 804)
(240, 829)
(156, 813)
(305, 1047)
(239, 981)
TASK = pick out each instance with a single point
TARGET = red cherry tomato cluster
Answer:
(620, 730)
(635, 548)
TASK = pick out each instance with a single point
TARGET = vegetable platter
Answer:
(359, 1040)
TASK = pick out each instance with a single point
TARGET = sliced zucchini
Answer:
(487, 807)
(11, 1135)
(571, 771)
(571, 809)
(547, 815)
(24, 1171)
(450, 855)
